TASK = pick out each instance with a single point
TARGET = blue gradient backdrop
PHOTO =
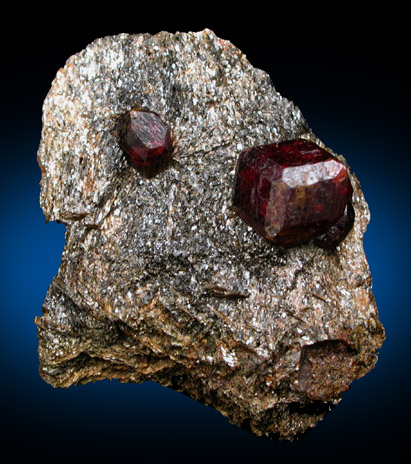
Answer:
(355, 97)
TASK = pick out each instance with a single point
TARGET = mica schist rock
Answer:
(160, 279)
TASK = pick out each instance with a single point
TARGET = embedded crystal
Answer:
(293, 191)
(145, 139)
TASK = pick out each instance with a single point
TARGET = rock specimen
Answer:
(160, 279)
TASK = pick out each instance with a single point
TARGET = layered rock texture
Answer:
(160, 279)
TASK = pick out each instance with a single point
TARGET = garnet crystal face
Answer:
(146, 141)
(291, 192)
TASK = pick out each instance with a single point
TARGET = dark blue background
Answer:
(355, 97)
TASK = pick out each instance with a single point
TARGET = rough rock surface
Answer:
(159, 278)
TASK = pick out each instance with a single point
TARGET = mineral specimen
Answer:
(291, 192)
(145, 140)
(160, 279)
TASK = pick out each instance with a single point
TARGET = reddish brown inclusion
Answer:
(146, 141)
(293, 191)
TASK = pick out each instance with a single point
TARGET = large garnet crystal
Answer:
(294, 191)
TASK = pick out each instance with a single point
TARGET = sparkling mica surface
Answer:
(291, 192)
(159, 278)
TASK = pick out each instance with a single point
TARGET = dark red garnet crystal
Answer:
(294, 191)
(146, 141)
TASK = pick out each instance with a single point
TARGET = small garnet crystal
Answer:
(146, 141)
(294, 191)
